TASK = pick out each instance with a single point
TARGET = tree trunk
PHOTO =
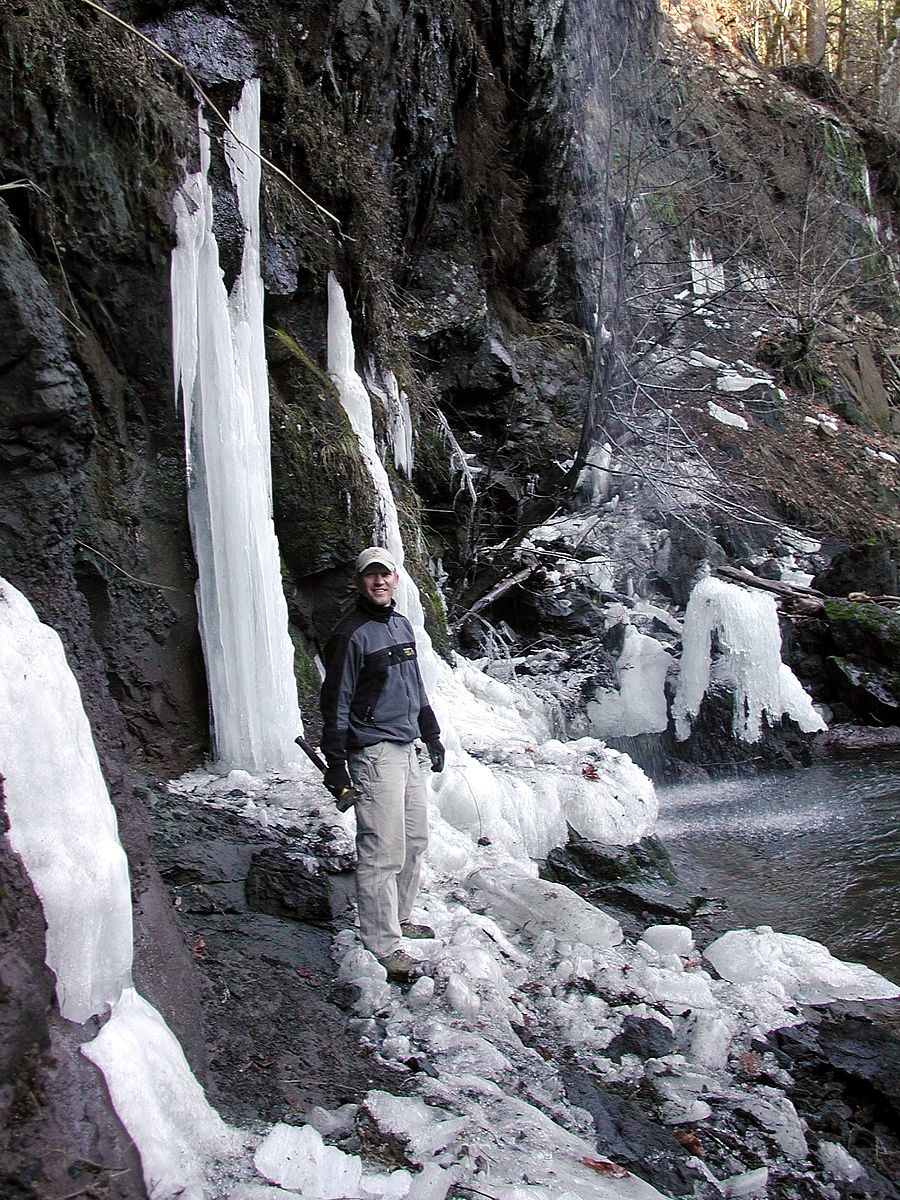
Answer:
(889, 91)
(816, 32)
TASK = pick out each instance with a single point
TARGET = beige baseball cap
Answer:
(375, 554)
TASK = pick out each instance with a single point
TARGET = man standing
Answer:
(374, 707)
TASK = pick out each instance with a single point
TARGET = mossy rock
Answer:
(324, 504)
(864, 632)
(582, 861)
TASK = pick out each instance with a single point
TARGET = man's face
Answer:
(378, 584)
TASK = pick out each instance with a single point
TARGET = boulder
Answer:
(862, 668)
(869, 568)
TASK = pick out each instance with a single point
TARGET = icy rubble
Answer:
(524, 968)
(502, 992)
(805, 969)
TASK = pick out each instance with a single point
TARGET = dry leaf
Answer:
(604, 1167)
(690, 1141)
(750, 1063)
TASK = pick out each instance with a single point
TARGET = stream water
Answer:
(814, 852)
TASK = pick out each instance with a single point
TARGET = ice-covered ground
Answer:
(522, 975)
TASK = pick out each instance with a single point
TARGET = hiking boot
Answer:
(400, 966)
(411, 930)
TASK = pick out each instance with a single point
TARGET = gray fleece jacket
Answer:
(373, 690)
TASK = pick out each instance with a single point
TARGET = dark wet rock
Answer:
(870, 568)
(645, 1037)
(288, 883)
(637, 883)
(861, 645)
(640, 904)
(869, 692)
(713, 747)
(852, 741)
(585, 861)
(846, 1085)
(164, 969)
(629, 1135)
(686, 551)
(279, 1034)
(215, 49)
(276, 1016)
(534, 608)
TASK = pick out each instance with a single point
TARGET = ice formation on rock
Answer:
(707, 276)
(639, 705)
(63, 825)
(61, 820)
(538, 905)
(220, 368)
(746, 659)
(805, 969)
(158, 1100)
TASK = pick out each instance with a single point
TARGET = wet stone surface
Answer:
(278, 1023)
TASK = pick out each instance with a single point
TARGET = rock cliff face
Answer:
(482, 179)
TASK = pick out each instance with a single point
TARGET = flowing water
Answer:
(814, 852)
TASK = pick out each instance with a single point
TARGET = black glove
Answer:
(337, 779)
(436, 754)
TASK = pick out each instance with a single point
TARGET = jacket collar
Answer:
(379, 612)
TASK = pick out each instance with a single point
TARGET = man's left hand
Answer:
(436, 754)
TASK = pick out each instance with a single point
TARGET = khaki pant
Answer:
(391, 837)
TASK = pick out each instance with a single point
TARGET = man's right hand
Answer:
(337, 779)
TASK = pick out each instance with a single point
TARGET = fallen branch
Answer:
(496, 592)
(769, 585)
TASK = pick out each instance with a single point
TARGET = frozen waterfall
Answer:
(220, 368)
(358, 407)
(748, 663)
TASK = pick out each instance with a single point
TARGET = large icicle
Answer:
(220, 366)
(61, 821)
(358, 407)
(749, 661)
(63, 826)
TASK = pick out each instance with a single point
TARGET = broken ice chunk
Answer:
(536, 905)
